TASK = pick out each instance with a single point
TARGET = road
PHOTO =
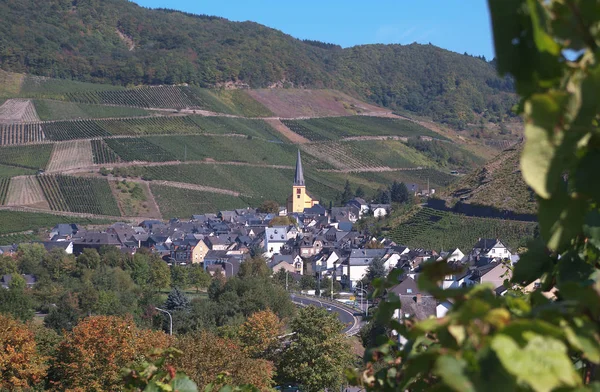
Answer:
(345, 315)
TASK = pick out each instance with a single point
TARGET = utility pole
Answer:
(332, 276)
(286, 280)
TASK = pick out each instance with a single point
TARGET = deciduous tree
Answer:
(92, 355)
(160, 275)
(259, 334)
(21, 366)
(318, 353)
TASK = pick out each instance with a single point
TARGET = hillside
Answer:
(498, 183)
(118, 42)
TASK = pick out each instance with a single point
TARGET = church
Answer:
(300, 198)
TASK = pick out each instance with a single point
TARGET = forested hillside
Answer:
(119, 42)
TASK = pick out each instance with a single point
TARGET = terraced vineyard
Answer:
(18, 221)
(433, 229)
(11, 134)
(249, 127)
(102, 154)
(4, 184)
(196, 202)
(138, 149)
(335, 128)
(149, 126)
(70, 130)
(20, 238)
(18, 110)
(167, 97)
(31, 157)
(52, 110)
(437, 179)
(79, 194)
(24, 191)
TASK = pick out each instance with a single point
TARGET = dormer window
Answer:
(408, 291)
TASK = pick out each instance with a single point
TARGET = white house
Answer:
(491, 248)
(275, 239)
(442, 308)
(380, 210)
(359, 262)
(360, 204)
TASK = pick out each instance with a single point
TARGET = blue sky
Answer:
(457, 25)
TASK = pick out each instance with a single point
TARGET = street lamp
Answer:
(170, 319)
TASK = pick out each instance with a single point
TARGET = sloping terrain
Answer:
(498, 184)
(82, 40)
(293, 103)
(18, 111)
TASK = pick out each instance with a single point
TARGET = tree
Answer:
(198, 278)
(524, 342)
(160, 275)
(374, 244)
(92, 355)
(205, 356)
(308, 282)
(359, 192)
(259, 334)
(256, 267)
(17, 300)
(283, 221)
(318, 352)
(346, 195)
(399, 192)
(21, 366)
(268, 207)
(177, 300)
(382, 196)
(65, 315)
(375, 270)
(88, 259)
(179, 276)
(139, 267)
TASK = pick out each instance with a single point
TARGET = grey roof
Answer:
(299, 175)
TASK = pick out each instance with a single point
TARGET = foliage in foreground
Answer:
(524, 341)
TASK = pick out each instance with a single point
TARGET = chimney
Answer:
(418, 298)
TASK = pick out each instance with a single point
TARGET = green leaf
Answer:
(591, 228)
(539, 17)
(184, 384)
(452, 372)
(561, 219)
(541, 164)
(533, 264)
(581, 335)
(543, 363)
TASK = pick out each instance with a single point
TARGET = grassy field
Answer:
(50, 110)
(432, 229)
(138, 149)
(240, 102)
(13, 171)
(334, 128)
(170, 199)
(20, 238)
(437, 179)
(40, 87)
(27, 157)
(16, 221)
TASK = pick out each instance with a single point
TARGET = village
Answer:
(301, 239)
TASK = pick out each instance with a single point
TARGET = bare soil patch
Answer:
(293, 103)
(285, 131)
(134, 199)
(18, 111)
(71, 155)
(25, 191)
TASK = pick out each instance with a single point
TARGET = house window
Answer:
(408, 291)
(492, 250)
(298, 191)
(297, 197)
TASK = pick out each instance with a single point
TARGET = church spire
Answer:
(299, 177)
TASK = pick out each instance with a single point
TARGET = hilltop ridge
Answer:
(119, 42)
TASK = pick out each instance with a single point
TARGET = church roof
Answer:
(299, 176)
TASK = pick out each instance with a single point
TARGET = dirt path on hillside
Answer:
(286, 132)
(371, 169)
(131, 219)
(185, 185)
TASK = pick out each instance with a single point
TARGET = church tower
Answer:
(299, 199)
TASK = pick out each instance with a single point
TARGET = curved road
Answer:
(345, 315)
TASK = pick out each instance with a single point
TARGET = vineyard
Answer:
(433, 229)
(43, 87)
(4, 184)
(138, 149)
(437, 179)
(70, 155)
(149, 126)
(19, 238)
(79, 194)
(32, 157)
(52, 110)
(18, 222)
(170, 199)
(102, 154)
(17, 111)
(11, 134)
(69, 130)
(166, 97)
(248, 127)
(335, 128)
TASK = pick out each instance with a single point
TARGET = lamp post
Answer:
(170, 319)
(361, 294)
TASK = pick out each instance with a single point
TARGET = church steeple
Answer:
(299, 176)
